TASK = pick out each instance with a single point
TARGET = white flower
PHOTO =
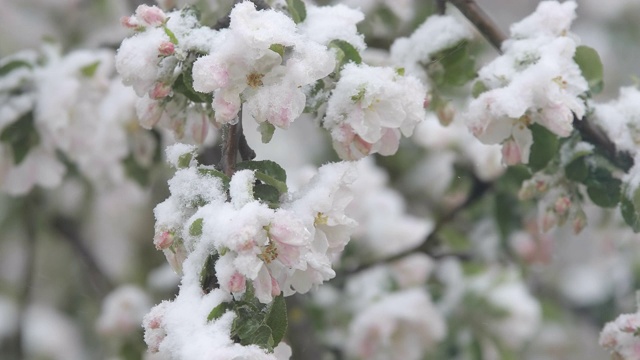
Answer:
(402, 325)
(369, 109)
(123, 310)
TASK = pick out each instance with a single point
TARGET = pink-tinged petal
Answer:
(226, 107)
(199, 126)
(275, 287)
(209, 74)
(263, 286)
(524, 139)
(163, 240)
(149, 112)
(237, 283)
(151, 15)
(389, 143)
(160, 91)
(129, 22)
(511, 154)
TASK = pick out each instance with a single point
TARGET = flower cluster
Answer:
(621, 336)
(536, 80)
(370, 108)
(55, 104)
(283, 246)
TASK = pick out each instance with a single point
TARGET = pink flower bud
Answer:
(562, 204)
(160, 91)
(237, 283)
(129, 22)
(163, 240)
(445, 114)
(579, 222)
(511, 154)
(166, 48)
(542, 186)
(151, 15)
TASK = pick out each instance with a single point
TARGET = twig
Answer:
(230, 142)
(441, 6)
(487, 27)
(69, 231)
(589, 131)
(429, 244)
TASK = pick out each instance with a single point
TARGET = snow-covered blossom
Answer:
(287, 250)
(505, 291)
(402, 325)
(253, 64)
(620, 336)
(123, 310)
(437, 33)
(370, 108)
(56, 103)
(535, 81)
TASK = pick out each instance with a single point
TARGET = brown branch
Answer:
(230, 143)
(487, 27)
(428, 246)
(69, 231)
(589, 131)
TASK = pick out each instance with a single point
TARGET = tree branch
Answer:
(69, 231)
(478, 190)
(487, 27)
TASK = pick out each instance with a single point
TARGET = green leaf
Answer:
(12, 65)
(603, 188)
(209, 171)
(630, 214)
(545, 147)
(171, 35)
(196, 227)
(21, 136)
(266, 131)
(277, 48)
(268, 172)
(135, 171)
(90, 70)
(208, 278)
(262, 337)
(277, 319)
(297, 9)
(267, 194)
(184, 160)
(345, 52)
(218, 311)
(478, 88)
(453, 66)
(591, 67)
(577, 170)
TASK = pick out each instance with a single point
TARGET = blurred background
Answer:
(78, 268)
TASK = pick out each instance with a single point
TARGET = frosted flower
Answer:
(402, 325)
(122, 311)
(534, 81)
(246, 66)
(437, 33)
(620, 336)
(370, 108)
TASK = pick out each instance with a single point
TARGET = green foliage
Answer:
(267, 171)
(591, 67)
(196, 227)
(630, 213)
(13, 65)
(345, 52)
(278, 49)
(21, 136)
(184, 160)
(266, 131)
(208, 278)
(210, 171)
(184, 84)
(577, 170)
(258, 324)
(602, 187)
(478, 88)
(171, 35)
(545, 147)
(297, 10)
(453, 66)
(90, 70)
